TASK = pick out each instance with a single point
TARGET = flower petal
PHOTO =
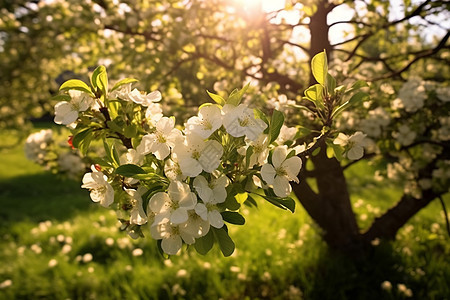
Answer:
(292, 167)
(281, 187)
(179, 216)
(215, 218)
(268, 173)
(159, 203)
(172, 244)
(278, 156)
(202, 211)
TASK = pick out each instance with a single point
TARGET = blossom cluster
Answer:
(48, 150)
(182, 182)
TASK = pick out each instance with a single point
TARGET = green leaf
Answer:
(75, 84)
(241, 197)
(260, 115)
(114, 126)
(123, 82)
(233, 217)
(275, 125)
(283, 203)
(226, 244)
(95, 74)
(205, 243)
(82, 139)
(315, 95)
(358, 97)
(129, 170)
(331, 84)
(319, 67)
(356, 86)
(230, 201)
(236, 95)
(130, 131)
(217, 98)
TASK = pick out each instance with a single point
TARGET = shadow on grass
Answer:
(340, 277)
(40, 197)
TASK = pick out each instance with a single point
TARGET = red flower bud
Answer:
(70, 141)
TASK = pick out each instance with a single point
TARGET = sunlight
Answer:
(261, 5)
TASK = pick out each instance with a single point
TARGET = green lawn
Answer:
(57, 244)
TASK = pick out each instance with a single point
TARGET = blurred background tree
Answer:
(183, 48)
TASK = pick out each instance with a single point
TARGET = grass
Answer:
(57, 244)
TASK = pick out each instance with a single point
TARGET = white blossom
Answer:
(195, 155)
(240, 120)
(354, 144)
(172, 235)
(137, 213)
(405, 136)
(37, 143)
(162, 140)
(211, 194)
(66, 112)
(101, 189)
(281, 171)
(175, 203)
(286, 134)
(209, 119)
(412, 94)
(71, 163)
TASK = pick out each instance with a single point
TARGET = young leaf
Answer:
(95, 74)
(205, 243)
(217, 98)
(319, 67)
(259, 114)
(226, 244)
(123, 82)
(75, 84)
(356, 86)
(129, 170)
(233, 217)
(241, 197)
(275, 125)
(236, 95)
(315, 95)
(331, 84)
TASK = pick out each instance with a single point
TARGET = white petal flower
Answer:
(160, 142)
(286, 134)
(154, 113)
(211, 194)
(66, 112)
(173, 235)
(354, 144)
(209, 120)
(281, 171)
(142, 98)
(177, 201)
(240, 120)
(172, 169)
(195, 155)
(137, 213)
(36, 144)
(101, 190)
(260, 150)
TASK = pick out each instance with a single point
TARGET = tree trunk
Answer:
(330, 207)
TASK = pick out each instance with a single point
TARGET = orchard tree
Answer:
(185, 47)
